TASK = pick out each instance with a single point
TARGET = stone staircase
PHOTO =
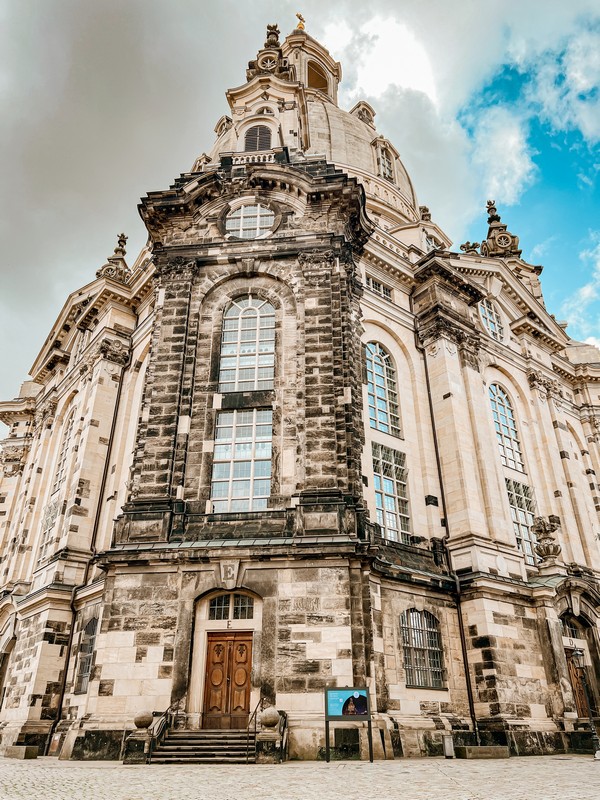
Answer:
(205, 747)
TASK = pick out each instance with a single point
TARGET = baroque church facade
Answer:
(302, 443)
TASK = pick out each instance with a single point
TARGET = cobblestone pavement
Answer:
(534, 778)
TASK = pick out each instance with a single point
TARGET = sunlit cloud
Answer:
(580, 307)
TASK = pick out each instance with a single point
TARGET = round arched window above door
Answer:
(232, 605)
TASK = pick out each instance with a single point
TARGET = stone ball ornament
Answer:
(269, 718)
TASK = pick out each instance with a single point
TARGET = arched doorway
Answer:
(225, 650)
(578, 637)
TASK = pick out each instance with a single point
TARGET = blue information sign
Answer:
(348, 703)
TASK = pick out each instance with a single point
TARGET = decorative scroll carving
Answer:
(546, 387)
(13, 457)
(467, 344)
(182, 267)
(116, 267)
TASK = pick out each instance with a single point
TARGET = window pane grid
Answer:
(522, 510)
(379, 288)
(86, 656)
(382, 391)
(422, 644)
(222, 607)
(250, 221)
(219, 607)
(391, 495)
(247, 346)
(506, 428)
(491, 319)
(241, 479)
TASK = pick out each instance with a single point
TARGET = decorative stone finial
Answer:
(300, 26)
(425, 213)
(121, 242)
(499, 242)
(470, 248)
(547, 548)
(116, 267)
(272, 36)
(493, 215)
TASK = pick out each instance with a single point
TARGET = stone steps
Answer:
(206, 747)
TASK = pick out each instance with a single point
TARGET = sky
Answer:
(102, 101)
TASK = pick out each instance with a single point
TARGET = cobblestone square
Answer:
(542, 778)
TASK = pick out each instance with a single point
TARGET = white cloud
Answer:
(580, 307)
(503, 154)
(566, 85)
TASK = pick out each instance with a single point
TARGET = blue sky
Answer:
(104, 101)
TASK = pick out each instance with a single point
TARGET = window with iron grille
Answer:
(87, 646)
(391, 494)
(249, 221)
(258, 137)
(231, 606)
(506, 428)
(247, 346)
(241, 475)
(382, 390)
(522, 511)
(491, 319)
(379, 288)
(423, 653)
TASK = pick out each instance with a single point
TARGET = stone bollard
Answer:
(268, 740)
(137, 744)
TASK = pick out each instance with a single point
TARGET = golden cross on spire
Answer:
(301, 21)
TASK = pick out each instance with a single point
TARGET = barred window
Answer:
(423, 653)
(241, 475)
(382, 391)
(506, 428)
(391, 495)
(247, 346)
(87, 646)
(47, 539)
(491, 319)
(522, 511)
(258, 137)
(379, 288)
(222, 607)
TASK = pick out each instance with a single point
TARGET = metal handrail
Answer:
(160, 725)
(255, 717)
(283, 733)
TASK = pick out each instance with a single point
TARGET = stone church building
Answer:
(302, 442)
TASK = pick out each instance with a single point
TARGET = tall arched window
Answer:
(317, 79)
(506, 428)
(247, 346)
(258, 137)
(87, 646)
(382, 391)
(423, 652)
(491, 319)
(61, 466)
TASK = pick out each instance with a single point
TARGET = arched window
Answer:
(317, 79)
(382, 391)
(247, 346)
(231, 606)
(423, 653)
(386, 164)
(522, 511)
(87, 646)
(258, 137)
(491, 319)
(61, 466)
(506, 428)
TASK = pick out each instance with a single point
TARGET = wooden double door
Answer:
(227, 680)
(577, 685)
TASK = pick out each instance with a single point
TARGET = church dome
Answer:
(290, 102)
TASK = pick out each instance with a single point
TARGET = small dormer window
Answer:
(386, 164)
(258, 137)
(317, 79)
(265, 110)
(430, 243)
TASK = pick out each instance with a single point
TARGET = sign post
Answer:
(350, 704)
